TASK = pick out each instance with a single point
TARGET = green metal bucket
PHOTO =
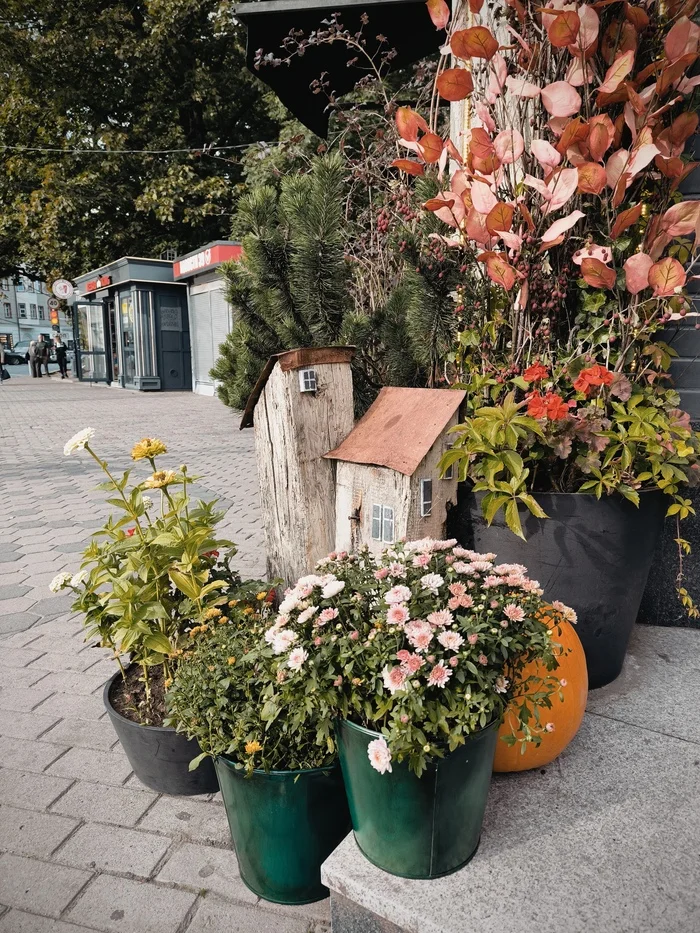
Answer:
(417, 827)
(284, 825)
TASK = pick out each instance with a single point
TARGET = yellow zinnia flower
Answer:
(261, 596)
(253, 747)
(148, 447)
(159, 479)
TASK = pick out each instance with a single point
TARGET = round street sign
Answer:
(53, 303)
(62, 288)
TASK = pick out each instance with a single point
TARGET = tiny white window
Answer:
(449, 472)
(383, 523)
(307, 380)
(377, 522)
(426, 497)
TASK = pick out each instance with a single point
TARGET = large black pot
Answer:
(160, 756)
(594, 555)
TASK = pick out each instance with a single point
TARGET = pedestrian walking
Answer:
(3, 372)
(43, 350)
(33, 357)
(61, 356)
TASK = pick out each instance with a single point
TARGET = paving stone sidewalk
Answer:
(83, 845)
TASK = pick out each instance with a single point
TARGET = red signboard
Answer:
(101, 282)
(206, 258)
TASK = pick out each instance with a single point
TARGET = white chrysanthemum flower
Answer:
(379, 755)
(147, 502)
(60, 581)
(78, 441)
(332, 589)
(79, 578)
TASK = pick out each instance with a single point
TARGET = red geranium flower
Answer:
(130, 531)
(535, 373)
(593, 376)
(556, 407)
(536, 406)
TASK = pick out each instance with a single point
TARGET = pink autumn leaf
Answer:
(641, 157)
(578, 73)
(545, 153)
(519, 87)
(680, 220)
(637, 272)
(453, 213)
(483, 198)
(538, 185)
(498, 71)
(615, 166)
(667, 277)
(509, 146)
(558, 124)
(512, 240)
(459, 182)
(617, 72)
(439, 13)
(683, 38)
(560, 99)
(519, 39)
(590, 26)
(687, 84)
(562, 186)
(484, 114)
(561, 226)
(593, 251)
(475, 226)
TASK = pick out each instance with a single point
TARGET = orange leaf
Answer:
(431, 146)
(683, 128)
(455, 84)
(408, 122)
(621, 188)
(625, 219)
(673, 72)
(527, 217)
(475, 42)
(408, 166)
(636, 16)
(453, 152)
(597, 274)
(575, 131)
(439, 13)
(436, 204)
(591, 177)
(499, 271)
(666, 276)
(563, 30)
(475, 5)
(480, 144)
(671, 168)
(601, 135)
(499, 217)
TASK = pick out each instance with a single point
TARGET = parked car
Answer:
(13, 357)
(19, 351)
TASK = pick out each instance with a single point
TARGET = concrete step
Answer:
(604, 840)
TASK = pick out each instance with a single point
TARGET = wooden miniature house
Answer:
(388, 485)
(301, 407)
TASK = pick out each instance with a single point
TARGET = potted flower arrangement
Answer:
(563, 215)
(278, 772)
(417, 653)
(152, 578)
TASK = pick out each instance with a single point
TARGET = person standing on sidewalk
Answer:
(61, 356)
(34, 359)
(43, 351)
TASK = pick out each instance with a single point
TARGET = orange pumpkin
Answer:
(566, 715)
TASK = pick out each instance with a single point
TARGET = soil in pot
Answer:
(284, 824)
(417, 827)
(594, 555)
(159, 755)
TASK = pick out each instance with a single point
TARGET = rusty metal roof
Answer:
(400, 428)
(293, 359)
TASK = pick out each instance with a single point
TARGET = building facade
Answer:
(211, 316)
(24, 312)
(131, 326)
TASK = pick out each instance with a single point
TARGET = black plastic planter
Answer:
(594, 555)
(160, 756)
(284, 824)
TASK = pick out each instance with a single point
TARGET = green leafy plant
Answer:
(154, 573)
(226, 695)
(424, 644)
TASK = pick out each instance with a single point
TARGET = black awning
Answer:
(405, 24)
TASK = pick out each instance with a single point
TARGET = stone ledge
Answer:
(605, 839)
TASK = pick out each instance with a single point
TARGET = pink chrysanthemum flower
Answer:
(483, 660)
(394, 678)
(419, 634)
(379, 755)
(531, 586)
(411, 663)
(326, 615)
(491, 580)
(441, 618)
(457, 589)
(550, 727)
(421, 560)
(439, 675)
(459, 566)
(296, 659)
(473, 638)
(514, 613)
(397, 615)
(397, 594)
(397, 570)
(501, 684)
(453, 641)
(482, 566)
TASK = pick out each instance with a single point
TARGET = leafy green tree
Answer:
(123, 75)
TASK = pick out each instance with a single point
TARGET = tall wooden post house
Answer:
(301, 407)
